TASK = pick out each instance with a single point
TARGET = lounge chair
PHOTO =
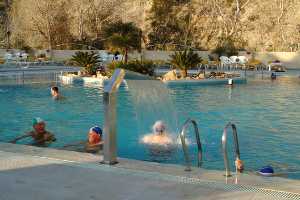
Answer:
(225, 62)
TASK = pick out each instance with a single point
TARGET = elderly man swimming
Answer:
(39, 133)
(159, 135)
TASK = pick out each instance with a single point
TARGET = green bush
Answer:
(27, 49)
(143, 67)
(87, 60)
(185, 60)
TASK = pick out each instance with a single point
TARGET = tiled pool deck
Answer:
(31, 173)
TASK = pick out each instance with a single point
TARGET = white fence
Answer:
(289, 59)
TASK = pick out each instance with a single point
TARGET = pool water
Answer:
(266, 113)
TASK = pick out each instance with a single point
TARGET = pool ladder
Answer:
(199, 146)
(224, 146)
(184, 145)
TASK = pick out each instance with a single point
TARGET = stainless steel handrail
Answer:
(224, 147)
(110, 115)
(184, 145)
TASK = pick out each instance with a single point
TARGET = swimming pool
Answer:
(267, 115)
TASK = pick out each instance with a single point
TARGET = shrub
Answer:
(87, 60)
(185, 60)
(143, 67)
(226, 48)
(27, 49)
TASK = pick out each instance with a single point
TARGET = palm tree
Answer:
(185, 60)
(123, 37)
(86, 60)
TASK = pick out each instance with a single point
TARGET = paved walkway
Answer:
(28, 175)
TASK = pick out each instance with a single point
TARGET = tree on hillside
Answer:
(103, 12)
(123, 37)
(4, 23)
(277, 29)
(40, 23)
(269, 25)
(165, 26)
(219, 21)
(51, 21)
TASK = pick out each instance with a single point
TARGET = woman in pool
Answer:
(159, 136)
(94, 141)
(39, 133)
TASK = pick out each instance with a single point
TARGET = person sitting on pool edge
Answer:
(159, 135)
(39, 133)
(55, 93)
(94, 141)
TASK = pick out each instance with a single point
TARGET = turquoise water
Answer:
(267, 115)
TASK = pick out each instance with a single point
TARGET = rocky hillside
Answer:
(269, 25)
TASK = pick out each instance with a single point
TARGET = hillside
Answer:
(270, 25)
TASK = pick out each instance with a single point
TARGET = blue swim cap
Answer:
(267, 171)
(97, 130)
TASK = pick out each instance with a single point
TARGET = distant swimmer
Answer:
(159, 136)
(39, 133)
(55, 93)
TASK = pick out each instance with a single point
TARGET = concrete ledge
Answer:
(134, 167)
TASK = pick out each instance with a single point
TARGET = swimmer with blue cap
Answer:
(94, 142)
(39, 133)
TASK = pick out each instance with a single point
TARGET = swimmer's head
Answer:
(54, 91)
(39, 125)
(159, 127)
(37, 121)
(96, 129)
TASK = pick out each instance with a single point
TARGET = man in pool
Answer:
(55, 93)
(159, 135)
(94, 141)
(39, 133)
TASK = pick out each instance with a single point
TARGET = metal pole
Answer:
(110, 130)
(110, 117)
(110, 114)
